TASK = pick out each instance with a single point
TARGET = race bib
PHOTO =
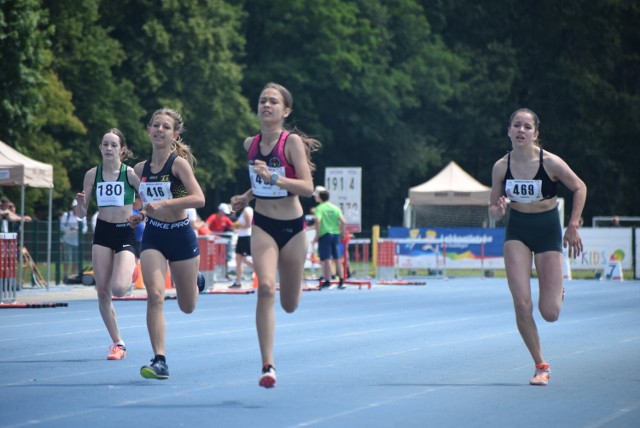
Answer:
(110, 194)
(155, 191)
(268, 190)
(524, 191)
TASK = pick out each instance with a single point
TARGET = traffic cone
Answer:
(168, 284)
(137, 277)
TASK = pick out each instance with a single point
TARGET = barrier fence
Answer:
(8, 267)
(358, 262)
(213, 257)
(400, 258)
(390, 258)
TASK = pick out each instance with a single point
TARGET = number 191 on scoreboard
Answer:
(345, 191)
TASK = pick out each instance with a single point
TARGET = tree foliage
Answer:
(398, 87)
(185, 55)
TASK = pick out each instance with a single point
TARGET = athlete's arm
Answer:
(497, 202)
(134, 179)
(570, 179)
(84, 197)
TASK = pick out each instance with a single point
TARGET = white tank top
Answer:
(243, 222)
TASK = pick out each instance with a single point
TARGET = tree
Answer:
(85, 58)
(184, 55)
(33, 97)
(363, 74)
(23, 53)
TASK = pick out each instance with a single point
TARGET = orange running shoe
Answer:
(268, 378)
(117, 352)
(542, 375)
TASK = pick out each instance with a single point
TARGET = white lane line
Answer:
(620, 413)
(363, 408)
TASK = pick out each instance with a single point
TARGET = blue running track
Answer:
(446, 354)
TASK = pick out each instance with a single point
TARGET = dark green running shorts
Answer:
(540, 232)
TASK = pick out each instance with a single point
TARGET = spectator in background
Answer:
(243, 245)
(70, 224)
(615, 221)
(311, 217)
(6, 214)
(330, 228)
(9, 215)
(220, 222)
(197, 224)
(221, 225)
(12, 210)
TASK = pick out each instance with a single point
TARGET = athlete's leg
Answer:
(102, 260)
(239, 268)
(184, 274)
(265, 263)
(291, 267)
(549, 270)
(154, 271)
(337, 257)
(124, 263)
(518, 259)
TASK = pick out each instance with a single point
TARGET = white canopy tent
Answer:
(451, 187)
(17, 169)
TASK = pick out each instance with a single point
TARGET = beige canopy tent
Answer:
(450, 198)
(451, 186)
(17, 169)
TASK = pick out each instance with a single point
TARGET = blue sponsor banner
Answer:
(469, 248)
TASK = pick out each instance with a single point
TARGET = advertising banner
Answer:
(480, 248)
(602, 245)
(462, 248)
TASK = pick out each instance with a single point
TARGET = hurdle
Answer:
(438, 256)
(8, 267)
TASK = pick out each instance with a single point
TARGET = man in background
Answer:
(221, 225)
(330, 227)
(70, 225)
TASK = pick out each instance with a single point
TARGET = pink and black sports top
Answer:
(528, 191)
(276, 163)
